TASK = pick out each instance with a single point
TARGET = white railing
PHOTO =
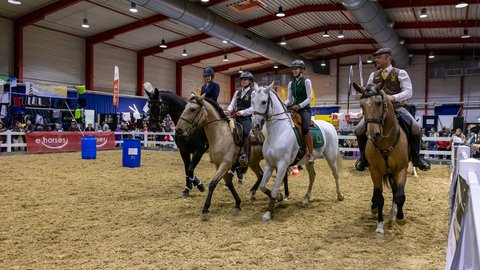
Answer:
(148, 139)
(463, 246)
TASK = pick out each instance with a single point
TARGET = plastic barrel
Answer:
(89, 147)
(131, 153)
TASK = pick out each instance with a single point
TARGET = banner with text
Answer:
(45, 90)
(53, 142)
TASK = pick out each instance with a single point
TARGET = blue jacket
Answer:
(212, 89)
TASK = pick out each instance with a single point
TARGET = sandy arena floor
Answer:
(58, 211)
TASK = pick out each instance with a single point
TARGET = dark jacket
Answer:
(211, 89)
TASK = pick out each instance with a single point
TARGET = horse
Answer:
(387, 152)
(191, 147)
(203, 113)
(281, 147)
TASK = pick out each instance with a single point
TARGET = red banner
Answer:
(54, 142)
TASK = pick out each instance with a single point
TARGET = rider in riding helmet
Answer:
(242, 108)
(210, 88)
(298, 100)
(398, 88)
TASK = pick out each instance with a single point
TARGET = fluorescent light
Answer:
(280, 12)
(460, 4)
(276, 66)
(325, 34)
(465, 34)
(85, 23)
(15, 2)
(163, 45)
(205, 1)
(423, 13)
(283, 42)
(133, 7)
(431, 55)
(224, 41)
(323, 63)
(369, 60)
(340, 34)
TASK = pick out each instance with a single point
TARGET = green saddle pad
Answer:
(317, 137)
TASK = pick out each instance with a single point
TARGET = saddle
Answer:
(405, 123)
(237, 131)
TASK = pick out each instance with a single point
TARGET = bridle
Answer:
(161, 109)
(269, 117)
(195, 118)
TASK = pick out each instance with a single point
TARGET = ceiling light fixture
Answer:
(224, 41)
(225, 58)
(85, 23)
(205, 1)
(369, 60)
(240, 70)
(402, 41)
(184, 53)
(275, 66)
(423, 13)
(431, 55)
(283, 42)
(465, 33)
(325, 34)
(163, 45)
(133, 7)
(323, 63)
(280, 12)
(340, 34)
(461, 4)
(15, 2)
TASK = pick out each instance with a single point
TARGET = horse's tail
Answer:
(388, 180)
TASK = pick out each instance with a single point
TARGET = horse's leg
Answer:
(221, 171)
(188, 174)
(311, 177)
(377, 199)
(229, 181)
(196, 156)
(259, 173)
(334, 163)
(274, 194)
(267, 173)
(399, 196)
(285, 186)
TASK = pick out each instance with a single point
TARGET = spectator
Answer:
(3, 138)
(476, 145)
(431, 144)
(105, 126)
(458, 137)
(29, 127)
(18, 127)
(74, 126)
(471, 134)
(444, 145)
(89, 127)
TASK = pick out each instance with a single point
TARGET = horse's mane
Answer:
(173, 96)
(213, 103)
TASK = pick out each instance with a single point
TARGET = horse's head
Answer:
(262, 104)
(158, 110)
(374, 106)
(193, 116)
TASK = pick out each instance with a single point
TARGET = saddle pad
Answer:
(317, 137)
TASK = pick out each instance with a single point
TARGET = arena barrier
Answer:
(463, 248)
(150, 139)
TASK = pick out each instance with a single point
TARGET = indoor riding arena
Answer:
(122, 123)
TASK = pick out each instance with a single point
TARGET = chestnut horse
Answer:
(387, 152)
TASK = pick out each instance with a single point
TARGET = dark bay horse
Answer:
(387, 152)
(203, 113)
(192, 147)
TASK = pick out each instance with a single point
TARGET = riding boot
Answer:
(417, 161)
(309, 143)
(362, 162)
(243, 158)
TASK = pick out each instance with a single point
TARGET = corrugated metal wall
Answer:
(106, 57)
(160, 73)
(53, 56)
(6, 47)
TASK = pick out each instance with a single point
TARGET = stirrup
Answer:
(423, 164)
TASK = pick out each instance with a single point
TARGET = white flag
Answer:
(350, 79)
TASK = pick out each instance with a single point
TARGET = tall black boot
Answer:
(417, 161)
(244, 157)
(362, 162)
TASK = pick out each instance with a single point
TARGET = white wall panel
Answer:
(106, 57)
(160, 73)
(6, 47)
(416, 71)
(53, 56)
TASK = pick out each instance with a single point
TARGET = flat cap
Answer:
(382, 51)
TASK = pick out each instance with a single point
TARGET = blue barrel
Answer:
(131, 153)
(89, 147)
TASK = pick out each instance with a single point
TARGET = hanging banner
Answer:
(116, 79)
(45, 90)
(360, 69)
(350, 81)
(54, 142)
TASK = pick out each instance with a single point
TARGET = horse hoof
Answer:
(374, 210)
(266, 217)
(305, 203)
(285, 199)
(380, 229)
(205, 216)
(402, 221)
(201, 187)
(185, 193)
(340, 197)
(280, 197)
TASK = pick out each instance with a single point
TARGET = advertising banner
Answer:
(45, 90)
(54, 142)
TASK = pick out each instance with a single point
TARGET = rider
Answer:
(211, 88)
(298, 98)
(398, 88)
(241, 107)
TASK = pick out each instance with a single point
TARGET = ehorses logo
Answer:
(101, 141)
(52, 143)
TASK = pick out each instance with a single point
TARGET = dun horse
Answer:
(192, 147)
(202, 113)
(386, 151)
(281, 147)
